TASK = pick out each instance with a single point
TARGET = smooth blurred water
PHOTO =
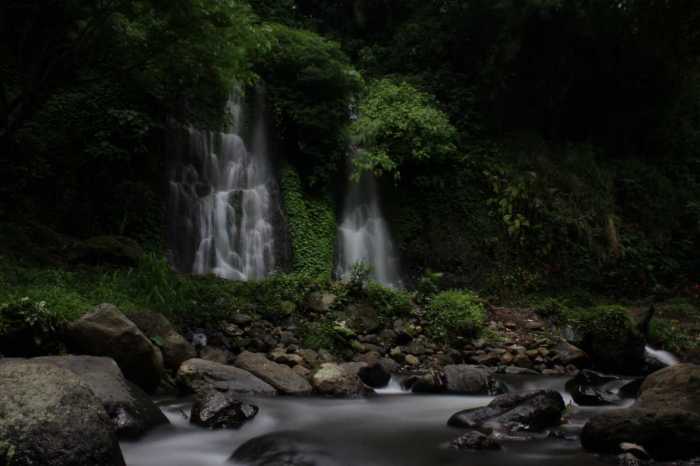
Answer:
(385, 430)
(221, 201)
(664, 357)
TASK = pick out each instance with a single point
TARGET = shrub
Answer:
(28, 328)
(388, 302)
(455, 313)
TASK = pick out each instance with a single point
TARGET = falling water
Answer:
(664, 357)
(363, 235)
(223, 200)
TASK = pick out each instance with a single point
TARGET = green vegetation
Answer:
(311, 223)
(454, 314)
(398, 125)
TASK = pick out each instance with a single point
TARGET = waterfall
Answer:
(363, 234)
(223, 199)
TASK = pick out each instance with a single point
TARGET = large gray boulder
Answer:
(49, 417)
(283, 449)
(668, 434)
(340, 380)
(132, 411)
(221, 410)
(198, 375)
(107, 332)
(535, 410)
(470, 380)
(282, 377)
(675, 387)
(174, 347)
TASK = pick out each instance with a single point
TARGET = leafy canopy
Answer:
(397, 125)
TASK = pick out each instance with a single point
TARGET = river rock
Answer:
(676, 387)
(374, 375)
(668, 434)
(107, 332)
(566, 353)
(49, 417)
(362, 318)
(197, 375)
(132, 411)
(466, 379)
(339, 380)
(475, 440)
(283, 449)
(432, 381)
(173, 346)
(590, 388)
(282, 377)
(221, 410)
(535, 410)
(320, 302)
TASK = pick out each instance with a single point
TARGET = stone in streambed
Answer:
(107, 332)
(590, 388)
(282, 377)
(221, 410)
(339, 380)
(174, 347)
(675, 387)
(284, 449)
(132, 411)
(49, 417)
(374, 375)
(475, 440)
(535, 410)
(197, 375)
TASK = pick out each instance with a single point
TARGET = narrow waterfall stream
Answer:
(222, 199)
(364, 236)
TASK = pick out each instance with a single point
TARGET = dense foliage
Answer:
(456, 314)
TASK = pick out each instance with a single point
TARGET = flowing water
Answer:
(662, 356)
(385, 430)
(364, 236)
(222, 199)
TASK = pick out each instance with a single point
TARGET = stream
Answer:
(389, 429)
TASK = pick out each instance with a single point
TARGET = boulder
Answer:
(470, 380)
(374, 375)
(340, 380)
(107, 332)
(221, 410)
(283, 449)
(535, 410)
(282, 377)
(173, 346)
(566, 354)
(49, 417)
(214, 354)
(668, 434)
(590, 388)
(675, 387)
(432, 381)
(198, 375)
(362, 318)
(132, 411)
(116, 250)
(475, 440)
(320, 302)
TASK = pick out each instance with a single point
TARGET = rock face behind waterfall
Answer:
(48, 417)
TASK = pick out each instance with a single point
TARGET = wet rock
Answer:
(320, 302)
(676, 387)
(107, 332)
(374, 375)
(283, 378)
(288, 359)
(566, 353)
(470, 380)
(430, 382)
(283, 449)
(637, 451)
(173, 346)
(668, 434)
(535, 410)
(213, 354)
(197, 375)
(131, 410)
(339, 380)
(311, 358)
(474, 440)
(488, 359)
(49, 417)
(590, 388)
(362, 318)
(411, 360)
(221, 410)
(302, 371)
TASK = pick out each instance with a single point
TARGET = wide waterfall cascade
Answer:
(222, 200)
(364, 236)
